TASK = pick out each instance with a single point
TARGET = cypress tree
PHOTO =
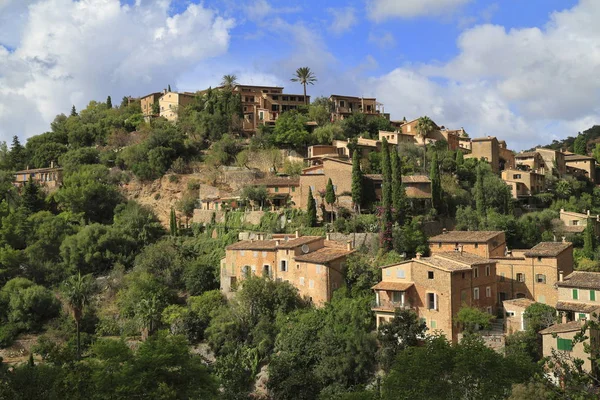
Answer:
(17, 156)
(398, 190)
(386, 239)
(169, 88)
(73, 111)
(589, 240)
(480, 203)
(357, 177)
(31, 198)
(330, 196)
(108, 102)
(173, 223)
(460, 159)
(580, 145)
(436, 183)
(311, 210)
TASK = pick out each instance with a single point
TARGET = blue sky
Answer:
(526, 71)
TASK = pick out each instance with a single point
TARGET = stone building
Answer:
(312, 264)
(524, 183)
(579, 296)
(344, 106)
(171, 102)
(553, 159)
(436, 288)
(576, 222)
(514, 310)
(49, 178)
(485, 244)
(578, 165)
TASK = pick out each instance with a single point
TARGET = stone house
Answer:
(147, 105)
(530, 161)
(492, 151)
(436, 288)
(344, 106)
(170, 102)
(524, 183)
(312, 264)
(579, 296)
(281, 190)
(486, 244)
(578, 165)
(513, 312)
(48, 178)
(553, 159)
(576, 222)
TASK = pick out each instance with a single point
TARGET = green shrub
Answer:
(173, 178)
(8, 333)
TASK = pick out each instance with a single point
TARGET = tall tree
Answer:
(77, 291)
(311, 210)
(386, 239)
(330, 196)
(173, 222)
(17, 156)
(404, 330)
(108, 102)
(589, 240)
(580, 145)
(74, 111)
(229, 81)
(306, 77)
(32, 197)
(460, 159)
(424, 127)
(357, 177)
(480, 201)
(436, 183)
(398, 190)
(169, 88)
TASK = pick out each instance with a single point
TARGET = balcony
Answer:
(389, 305)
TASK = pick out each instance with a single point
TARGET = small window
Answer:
(275, 97)
(575, 294)
(264, 253)
(388, 272)
(539, 259)
(242, 253)
(489, 310)
(476, 294)
(255, 254)
(439, 245)
(283, 265)
(476, 245)
(293, 189)
(301, 281)
(276, 189)
(564, 344)
(318, 269)
(463, 295)
(429, 274)
(400, 273)
(311, 284)
(475, 272)
(431, 301)
(463, 275)
(540, 278)
(433, 324)
(582, 316)
(487, 270)
(520, 277)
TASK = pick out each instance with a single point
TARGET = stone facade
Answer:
(486, 244)
(553, 159)
(171, 102)
(578, 165)
(344, 106)
(49, 178)
(531, 182)
(513, 311)
(579, 296)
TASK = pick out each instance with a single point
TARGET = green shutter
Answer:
(564, 344)
(592, 295)
(581, 316)
(575, 294)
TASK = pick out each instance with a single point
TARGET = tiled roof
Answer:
(483, 139)
(526, 154)
(576, 307)
(464, 258)
(523, 303)
(415, 179)
(572, 326)
(374, 177)
(278, 181)
(581, 279)
(31, 171)
(395, 286)
(547, 249)
(465, 237)
(444, 263)
(572, 228)
(323, 255)
(271, 244)
(577, 157)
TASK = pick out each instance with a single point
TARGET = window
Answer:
(476, 293)
(502, 276)
(264, 253)
(242, 253)
(342, 103)
(540, 278)
(431, 301)
(300, 98)
(400, 273)
(488, 292)
(592, 295)
(276, 190)
(475, 272)
(274, 107)
(388, 272)
(233, 283)
(439, 245)
(255, 254)
(283, 265)
(516, 176)
(575, 294)
(582, 316)
(318, 269)
(245, 271)
(293, 189)
(429, 274)
(476, 245)
(275, 97)
(292, 98)
(564, 344)
(463, 275)
(261, 116)
(433, 324)
(539, 259)
(311, 284)
(487, 270)
(267, 271)
(301, 281)
(398, 297)
(520, 277)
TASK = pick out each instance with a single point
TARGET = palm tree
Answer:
(305, 76)
(424, 127)
(148, 313)
(229, 81)
(78, 291)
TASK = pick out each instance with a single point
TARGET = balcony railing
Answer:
(390, 304)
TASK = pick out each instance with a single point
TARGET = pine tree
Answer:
(311, 210)
(17, 156)
(330, 196)
(357, 177)
(108, 102)
(589, 240)
(73, 111)
(460, 159)
(398, 190)
(480, 202)
(436, 183)
(31, 197)
(173, 222)
(580, 145)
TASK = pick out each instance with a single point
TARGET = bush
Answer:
(8, 333)
(173, 178)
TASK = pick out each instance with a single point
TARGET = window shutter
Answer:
(575, 294)
(592, 295)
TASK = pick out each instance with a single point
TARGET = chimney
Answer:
(460, 249)
(561, 275)
(164, 91)
(349, 245)
(564, 239)
(297, 234)
(276, 242)
(444, 231)
(418, 256)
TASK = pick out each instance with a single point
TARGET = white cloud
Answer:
(343, 19)
(73, 51)
(379, 10)
(527, 85)
(383, 41)
(258, 10)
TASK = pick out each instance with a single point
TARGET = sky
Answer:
(525, 71)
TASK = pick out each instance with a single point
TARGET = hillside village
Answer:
(285, 248)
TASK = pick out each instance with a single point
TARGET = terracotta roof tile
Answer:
(577, 307)
(465, 237)
(396, 286)
(581, 279)
(577, 157)
(271, 244)
(464, 258)
(444, 263)
(547, 249)
(483, 139)
(523, 303)
(277, 181)
(558, 328)
(526, 154)
(323, 255)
